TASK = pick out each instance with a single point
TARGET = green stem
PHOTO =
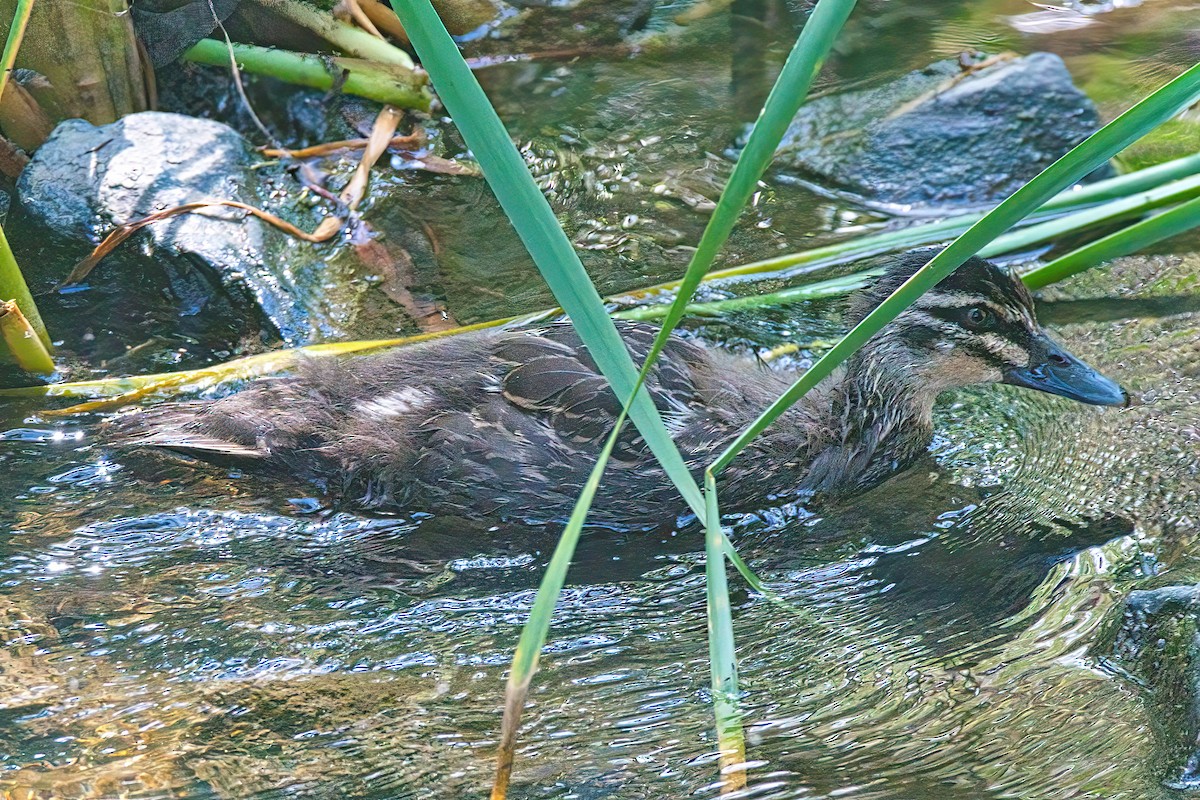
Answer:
(1173, 222)
(722, 658)
(537, 627)
(1115, 211)
(13, 287)
(16, 34)
(795, 294)
(385, 83)
(1124, 185)
(350, 39)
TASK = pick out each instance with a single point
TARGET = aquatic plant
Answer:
(564, 273)
(1172, 222)
(370, 66)
(382, 82)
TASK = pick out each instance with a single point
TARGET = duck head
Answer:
(976, 326)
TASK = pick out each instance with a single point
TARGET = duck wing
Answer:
(551, 373)
(497, 421)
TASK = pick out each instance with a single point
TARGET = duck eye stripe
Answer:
(1005, 314)
(956, 313)
(981, 351)
(953, 299)
(1012, 353)
(924, 327)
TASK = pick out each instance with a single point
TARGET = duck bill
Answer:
(1054, 370)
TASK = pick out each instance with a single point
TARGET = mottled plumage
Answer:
(509, 423)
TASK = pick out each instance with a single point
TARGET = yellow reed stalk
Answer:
(23, 342)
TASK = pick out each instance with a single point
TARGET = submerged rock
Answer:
(946, 134)
(1157, 641)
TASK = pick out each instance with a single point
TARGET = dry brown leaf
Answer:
(395, 266)
(408, 142)
(377, 144)
(384, 18)
(324, 231)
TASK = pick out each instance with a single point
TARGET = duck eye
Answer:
(977, 316)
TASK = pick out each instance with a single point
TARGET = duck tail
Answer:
(177, 427)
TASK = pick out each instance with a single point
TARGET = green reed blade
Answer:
(1124, 185)
(1135, 205)
(538, 228)
(1155, 109)
(522, 194)
(16, 32)
(1124, 208)
(12, 282)
(722, 660)
(787, 95)
(536, 628)
(1181, 218)
(805, 261)
(794, 294)
(13, 287)
(21, 341)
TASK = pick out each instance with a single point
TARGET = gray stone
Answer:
(1156, 640)
(944, 135)
(85, 179)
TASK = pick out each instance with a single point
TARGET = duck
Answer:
(509, 423)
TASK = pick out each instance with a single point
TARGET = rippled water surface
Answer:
(197, 635)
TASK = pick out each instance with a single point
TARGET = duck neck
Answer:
(881, 392)
(855, 429)
(882, 421)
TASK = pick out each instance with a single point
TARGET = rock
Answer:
(1157, 641)
(85, 180)
(947, 134)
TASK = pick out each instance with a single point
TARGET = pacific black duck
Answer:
(509, 423)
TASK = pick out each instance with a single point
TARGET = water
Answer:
(190, 634)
